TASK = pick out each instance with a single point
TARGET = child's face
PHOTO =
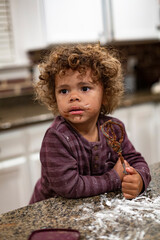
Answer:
(79, 99)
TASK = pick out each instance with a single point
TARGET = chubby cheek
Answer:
(59, 104)
(61, 108)
(96, 104)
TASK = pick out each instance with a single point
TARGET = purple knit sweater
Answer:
(72, 167)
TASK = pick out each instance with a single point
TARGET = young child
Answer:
(82, 84)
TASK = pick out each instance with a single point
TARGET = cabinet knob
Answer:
(158, 27)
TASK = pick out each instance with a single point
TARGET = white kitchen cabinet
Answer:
(34, 135)
(143, 132)
(140, 122)
(100, 20)
(35, 169)
(56, 22)
(14, 184)
(28, 28)
(123, 115)
(19, 165)
(73, 21)
(157, 134)
(135, 19)
(12, 144)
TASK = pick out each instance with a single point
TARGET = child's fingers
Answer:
(132, 183)
(129, 186)
(128, 196)
(126, 163)
(131, 170)
(129, 190)
(131, 177)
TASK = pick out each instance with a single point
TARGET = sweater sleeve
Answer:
(60, 173)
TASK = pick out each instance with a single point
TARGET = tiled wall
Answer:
(15, 81)
(15, 87)
(144, 56)
(147, 67)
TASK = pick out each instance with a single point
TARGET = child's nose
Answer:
(74, 97)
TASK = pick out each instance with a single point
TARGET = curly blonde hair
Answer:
(105, 68)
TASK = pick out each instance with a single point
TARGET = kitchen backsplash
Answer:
(15, 87)
(141, 63)
(146, 63)
(15, 81)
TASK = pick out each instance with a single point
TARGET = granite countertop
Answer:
(23, 111)
(108, 216)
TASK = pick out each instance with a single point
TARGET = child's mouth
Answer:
(76, 111)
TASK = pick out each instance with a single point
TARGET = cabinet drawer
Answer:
(35, 168)
(14, 184)
(35, 136)
(12, 144)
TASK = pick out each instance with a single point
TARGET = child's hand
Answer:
(132, 183)
(119, 168)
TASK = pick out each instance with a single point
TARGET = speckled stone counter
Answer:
(108, 216)
(23, 111)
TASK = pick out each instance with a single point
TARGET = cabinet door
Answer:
(123, 115)
(35, 136)
(26, 21)
(35, 169)
(135, 19)
(158, 132)
(73, 21)
(143, 132)
(14, 184)
(12, 144)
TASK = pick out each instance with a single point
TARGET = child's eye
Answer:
(63, 91)
(85, 89)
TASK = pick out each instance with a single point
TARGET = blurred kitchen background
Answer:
(28, 30)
